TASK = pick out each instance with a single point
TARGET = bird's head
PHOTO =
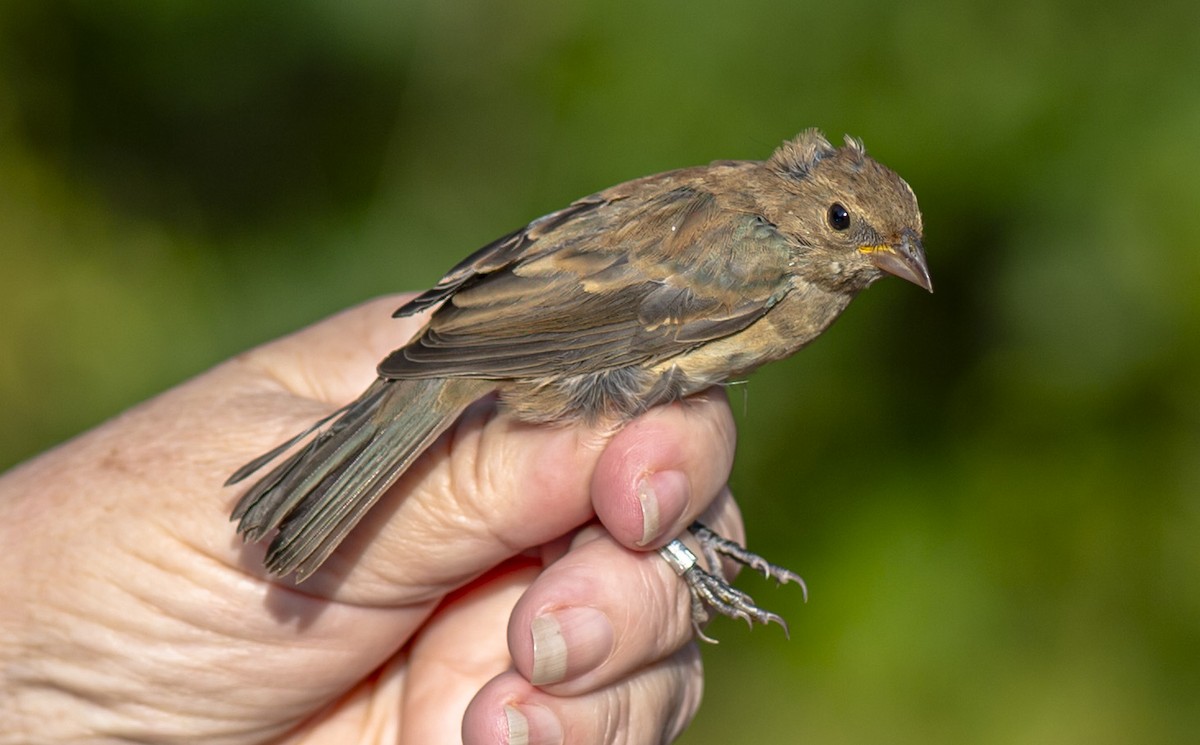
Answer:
(851, 218)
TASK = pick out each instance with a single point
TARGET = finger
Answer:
(419, 694)
(665, 468)
(653, 705)
(602, 611)
(458, 651)
(493, 487)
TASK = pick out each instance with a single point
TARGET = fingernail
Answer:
(569, 642)
(659, 492)
(530, 724)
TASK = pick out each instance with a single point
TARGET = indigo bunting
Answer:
(638, 295)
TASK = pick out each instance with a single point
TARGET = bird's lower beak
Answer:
(906, 261)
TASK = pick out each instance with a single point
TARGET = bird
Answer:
(638, 295)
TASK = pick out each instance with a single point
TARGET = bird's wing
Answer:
(639, 273)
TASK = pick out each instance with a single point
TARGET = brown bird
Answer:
(638, 295)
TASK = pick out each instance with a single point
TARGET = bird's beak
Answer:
(906, 261)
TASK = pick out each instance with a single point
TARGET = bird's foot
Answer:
(709, 590)
(715, 545)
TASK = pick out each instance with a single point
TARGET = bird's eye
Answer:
(838, 216)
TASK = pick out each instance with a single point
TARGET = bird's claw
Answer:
(710, 591)
(714, 546)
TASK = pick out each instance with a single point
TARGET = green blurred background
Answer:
(993, 491)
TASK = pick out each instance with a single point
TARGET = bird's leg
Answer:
(710, 590)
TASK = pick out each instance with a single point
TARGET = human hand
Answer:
(132, 611)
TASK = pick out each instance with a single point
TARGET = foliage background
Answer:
(993, 492)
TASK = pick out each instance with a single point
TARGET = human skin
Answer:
(132, 613)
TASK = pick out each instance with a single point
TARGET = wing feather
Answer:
(637, 274)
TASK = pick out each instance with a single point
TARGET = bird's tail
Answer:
(318, 494)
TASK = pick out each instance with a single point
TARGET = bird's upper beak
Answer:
(906, 261)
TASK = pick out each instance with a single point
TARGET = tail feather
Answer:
(317, 495)
(273, 496)
(339, 501)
